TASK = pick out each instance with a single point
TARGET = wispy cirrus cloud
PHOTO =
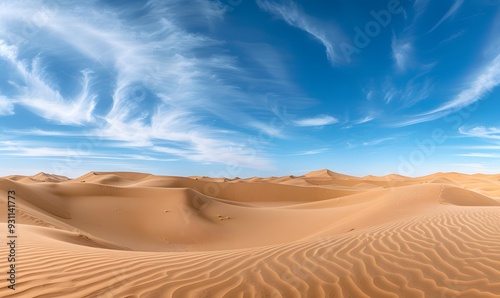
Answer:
(6, 106)
(289, 12)
(478, 147)
(402, 53)
(484, 81)
(453, 9)
(414, 91)
(480, 155)
(320, 120)
(36, 150)
(33, 91)
(7, 51)
(364, 120)
(481, 132)
(378, 141)
(43, 133)
(163, 81)
(451, 37)
(389, 93)
(311, 152)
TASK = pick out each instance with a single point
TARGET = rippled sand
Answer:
(323, 234)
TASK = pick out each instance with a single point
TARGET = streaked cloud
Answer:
(37, 151)
(364, 120)
(453, 9)
(451, 37)
(402, 53)
(293, 16)
(204, 84)
(370, 93)
(311, 152)
(480, 155)
(389, 94)
(414, 91)
(481, 132)
(164, 80)
(273, 129)
(320, 120)
(7, 51)
(478, 147)
(6, 106)
(484, 81)
(55, 153)
(378, 141)
(35, 93)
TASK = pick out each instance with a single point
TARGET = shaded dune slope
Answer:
(138, 235)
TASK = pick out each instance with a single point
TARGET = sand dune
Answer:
(323, 234)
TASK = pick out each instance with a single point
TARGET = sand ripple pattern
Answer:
(452, 252)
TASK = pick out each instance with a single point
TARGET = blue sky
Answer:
(249, 87)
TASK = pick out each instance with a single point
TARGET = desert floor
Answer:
(322, 234)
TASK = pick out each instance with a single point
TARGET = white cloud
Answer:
(6, 106)
(369, 95)
(50, 104)
(38, 151)
(320, 120)
(481, 132)
(37, 95)
(41, 132)
(8, 52)
(378, 141)
(486, 79)
(165, 82)
(274, 129)
(484, 147)
(451, 37)
(480, 155)
(402, 52)
(412, 120)
(364, 120)
(270, 60)
(293, 16)
(453, 9)
(311, 152)
(415, 90)
(389, 94)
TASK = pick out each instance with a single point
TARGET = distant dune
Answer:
(323, 234)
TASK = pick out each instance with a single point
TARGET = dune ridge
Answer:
(322, 234)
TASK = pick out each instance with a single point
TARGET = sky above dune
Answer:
(249, 87)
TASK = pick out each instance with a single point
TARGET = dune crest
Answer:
(322, 234)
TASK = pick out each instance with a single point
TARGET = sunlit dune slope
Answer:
(323, 234)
